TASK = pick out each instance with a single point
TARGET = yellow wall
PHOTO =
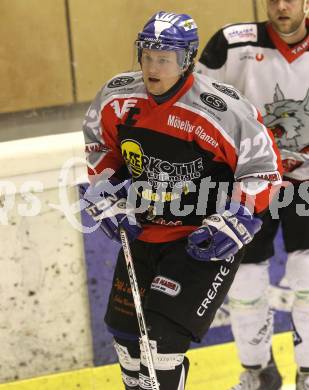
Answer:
(261, 10)
(34, 57)
(103, 34)
(35, 68)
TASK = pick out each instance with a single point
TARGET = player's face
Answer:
(160, 70)
(285, 15)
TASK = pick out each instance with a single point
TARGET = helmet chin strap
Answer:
(287, 35)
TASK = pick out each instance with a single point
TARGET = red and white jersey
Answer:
(206, 133)
(274, 77)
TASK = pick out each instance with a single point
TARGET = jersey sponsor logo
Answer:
(96, 147)
(163, 196)
(303, 46)
(241, 33)
(162, 221)
(175, 121)
(227, 90)
(120, 82)
(250, 55)
(200, 132)
(132, 153)
(213, 101)
(159, 172)
(151, 215)
(259, 57)
(166, 286)
(188, 127)
(288, 119)
(273, 177)
(246, 55)
(120, 111)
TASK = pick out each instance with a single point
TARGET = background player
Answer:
(269, 63)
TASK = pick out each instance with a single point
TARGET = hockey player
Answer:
(176, 135)
(269, 63)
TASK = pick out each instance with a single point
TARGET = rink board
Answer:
(216, 367)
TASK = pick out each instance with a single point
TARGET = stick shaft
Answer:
(139, 309)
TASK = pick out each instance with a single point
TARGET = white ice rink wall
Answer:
(44, 314)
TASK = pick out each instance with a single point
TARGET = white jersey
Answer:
(274, 77)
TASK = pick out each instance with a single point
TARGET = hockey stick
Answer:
(139, 310)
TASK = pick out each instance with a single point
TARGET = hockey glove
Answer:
(223, 234)
(107, 204)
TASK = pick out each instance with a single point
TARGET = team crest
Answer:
(289, 120)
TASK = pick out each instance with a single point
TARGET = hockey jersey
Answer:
(274, 77)
(178, 152)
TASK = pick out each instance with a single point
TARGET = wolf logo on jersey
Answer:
(289, 121)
